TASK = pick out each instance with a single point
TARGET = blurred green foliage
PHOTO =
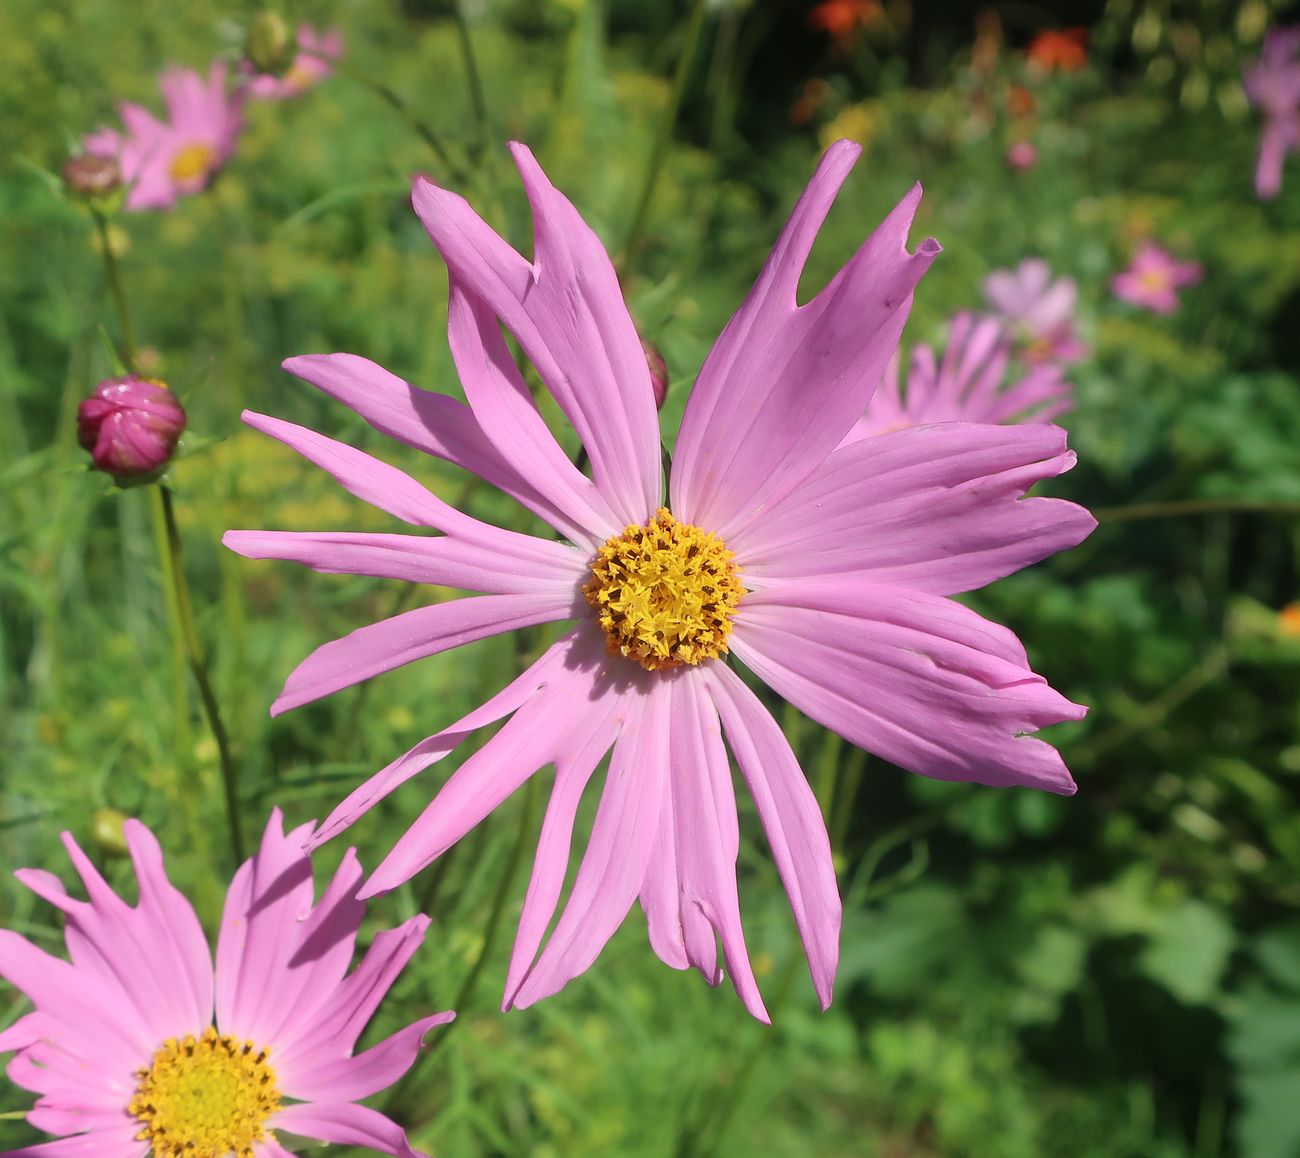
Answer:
(1112, 975)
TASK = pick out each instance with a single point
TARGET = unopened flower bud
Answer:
(130, 426)
(658, 372)
(270, 45)
(92, 177)
(107, 830)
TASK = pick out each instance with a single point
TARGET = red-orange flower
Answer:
(1059, 49)
(843, 19)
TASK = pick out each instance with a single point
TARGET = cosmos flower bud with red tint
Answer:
(91, 177)
(130, 426)
(658, 371)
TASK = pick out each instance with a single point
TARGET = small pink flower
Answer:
(968, 385)
(1037, 311)
(825, 570)
(162, 160)
(1272, 82)
(130, 426)
(1022, 155)
(134, 1039)
(1153, 277)
(316, 50)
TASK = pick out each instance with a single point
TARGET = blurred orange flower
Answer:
(1288, 619)
(1059, 49)
(1020, 101)
(843, 19)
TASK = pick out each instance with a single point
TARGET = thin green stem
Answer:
(1184, 507)
(662, 137)
(421, 128)
(198, 665)
(477, 96)
(126, 346)
(180, 688)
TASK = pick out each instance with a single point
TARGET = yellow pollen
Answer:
(205, 1097)
(1154, 280)
(665, 593)
(193, 162)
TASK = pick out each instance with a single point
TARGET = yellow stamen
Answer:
(665, 593)
(1154, 280)
(205, 1097)
(193, 162)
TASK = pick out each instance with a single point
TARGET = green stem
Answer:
(126, 347)
(478, 98)
(662, 137)
(180, 689)
(198, 665)
(1182, 507)
(421, 128)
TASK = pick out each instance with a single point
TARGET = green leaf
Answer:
(1188, 951)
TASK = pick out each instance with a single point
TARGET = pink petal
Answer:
(576, 648)
(345, 1125)
(567, 312)
(402, 639)
(1274, 144)
(339, 1020)
(268, 901)
(784, 383)
(372, 481)
(706, 837)
(791, 818)
(82, 1010)
(432, 423)
(347, 1078)
(917, 679)
(509, 565)
(575, 757)
(163, 971)
(507, 414)
(546, 728)
(614, 865)
(935, 508)
(119, 1143)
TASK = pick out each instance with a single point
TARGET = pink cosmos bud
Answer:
(92, 177)
(1022, 155)
(658, 371)
(270, 45)
(130, 426)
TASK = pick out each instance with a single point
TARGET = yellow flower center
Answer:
(1154, 280)
(193, 162)
(205, 1097)
(665, 593)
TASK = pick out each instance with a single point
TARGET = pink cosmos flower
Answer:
(138, 1045)
(824, 571)
(1038, 311)
(1272, 83)
(162, 160)
(311, 66)
(966, 386)
(1153, 277)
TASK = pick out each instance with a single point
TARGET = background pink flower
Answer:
(1272, 82)
(1153, 278)
(968, 385)
(137, 1042)
(162, 160)
(826, 571)
(1038, 311)
(312, 65)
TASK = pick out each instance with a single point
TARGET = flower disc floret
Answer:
(205, 1097)
(665, 593)
(193, 162)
